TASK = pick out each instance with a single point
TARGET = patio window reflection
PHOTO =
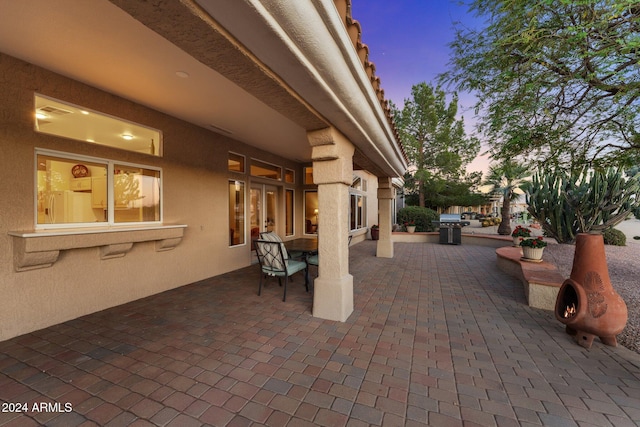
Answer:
(236, 213)
(311, 212)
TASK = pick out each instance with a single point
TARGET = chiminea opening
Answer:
(569, 302)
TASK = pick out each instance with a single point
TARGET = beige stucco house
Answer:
(144, 144)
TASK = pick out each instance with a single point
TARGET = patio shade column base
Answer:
(333, 298)
(386, 194)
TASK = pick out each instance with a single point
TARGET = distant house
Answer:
(144, 144)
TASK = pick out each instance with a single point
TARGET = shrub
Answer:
(422, 217)
(614, 237)
(581, 201)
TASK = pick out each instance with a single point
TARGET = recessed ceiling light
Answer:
(41, 116)
(127, 137)
(182, 74)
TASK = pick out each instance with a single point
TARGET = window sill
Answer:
(40, 249)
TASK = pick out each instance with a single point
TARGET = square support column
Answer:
(332, 155)
(386, 194)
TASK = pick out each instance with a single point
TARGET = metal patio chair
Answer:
(274, 261)
(274, 237)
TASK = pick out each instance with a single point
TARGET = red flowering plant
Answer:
(521, 231)
(533, 243)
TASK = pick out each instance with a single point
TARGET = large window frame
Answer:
(237, 212)
(111, 166)
(64, 119)
(358, 204)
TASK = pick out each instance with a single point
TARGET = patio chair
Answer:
(275, 262)
(274, 237)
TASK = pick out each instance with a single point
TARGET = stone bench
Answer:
(541, 280)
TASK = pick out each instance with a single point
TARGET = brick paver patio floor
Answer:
(439, 336)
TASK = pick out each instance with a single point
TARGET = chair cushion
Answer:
(313, 260)
(273, 237)
(294, 266)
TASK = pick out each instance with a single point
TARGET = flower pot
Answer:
(516, 241)
(411, 228)
(375, 233)
(534, 254)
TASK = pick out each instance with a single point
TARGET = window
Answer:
(308, 175)
(89, 191)
(265, 170)
(236, 213)
(289, 176)
(236, 163)
(358, 211)
(289, 208)
(59, 118)
(311, 212)
(358, 203)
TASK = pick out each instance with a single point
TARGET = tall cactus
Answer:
(583, 201)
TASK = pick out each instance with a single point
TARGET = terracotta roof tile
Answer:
(354, 29)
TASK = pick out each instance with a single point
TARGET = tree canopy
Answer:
(504, 178)
(557, 80)
(434, 139)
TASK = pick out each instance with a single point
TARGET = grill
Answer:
(450, 229)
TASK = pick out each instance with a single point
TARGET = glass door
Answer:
(264, 208)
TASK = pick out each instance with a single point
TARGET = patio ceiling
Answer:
(199, 72)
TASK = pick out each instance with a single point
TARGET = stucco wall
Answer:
(195, 193)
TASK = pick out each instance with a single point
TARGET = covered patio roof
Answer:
(264, 73)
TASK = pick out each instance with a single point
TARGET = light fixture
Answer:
(41, 116)
(127, 136)
(182, 74)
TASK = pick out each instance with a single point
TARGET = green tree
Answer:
(557, 80)
(441, 193)
(504, 178)
(433, 138)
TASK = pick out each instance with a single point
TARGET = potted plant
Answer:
(410, 226)
(375, 232)
(532, 248)
(520, 232)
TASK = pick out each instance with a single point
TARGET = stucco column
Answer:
(386, 194)
(332, 155)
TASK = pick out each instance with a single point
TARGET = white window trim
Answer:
(244, 163)
(244, 213)
(266, 163)
(109, 163)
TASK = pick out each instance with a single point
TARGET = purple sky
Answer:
(408, 43)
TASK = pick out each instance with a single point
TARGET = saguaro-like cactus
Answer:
(584, 201)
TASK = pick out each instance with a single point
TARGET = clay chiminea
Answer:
(587, 303)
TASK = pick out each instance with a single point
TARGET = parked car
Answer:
(468, 215)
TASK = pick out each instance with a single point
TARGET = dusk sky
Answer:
(408, 43)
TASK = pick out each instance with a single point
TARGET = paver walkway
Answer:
(439, 337)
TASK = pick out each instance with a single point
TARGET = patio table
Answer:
(306, 247)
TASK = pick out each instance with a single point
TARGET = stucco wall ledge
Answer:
(40, 249)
